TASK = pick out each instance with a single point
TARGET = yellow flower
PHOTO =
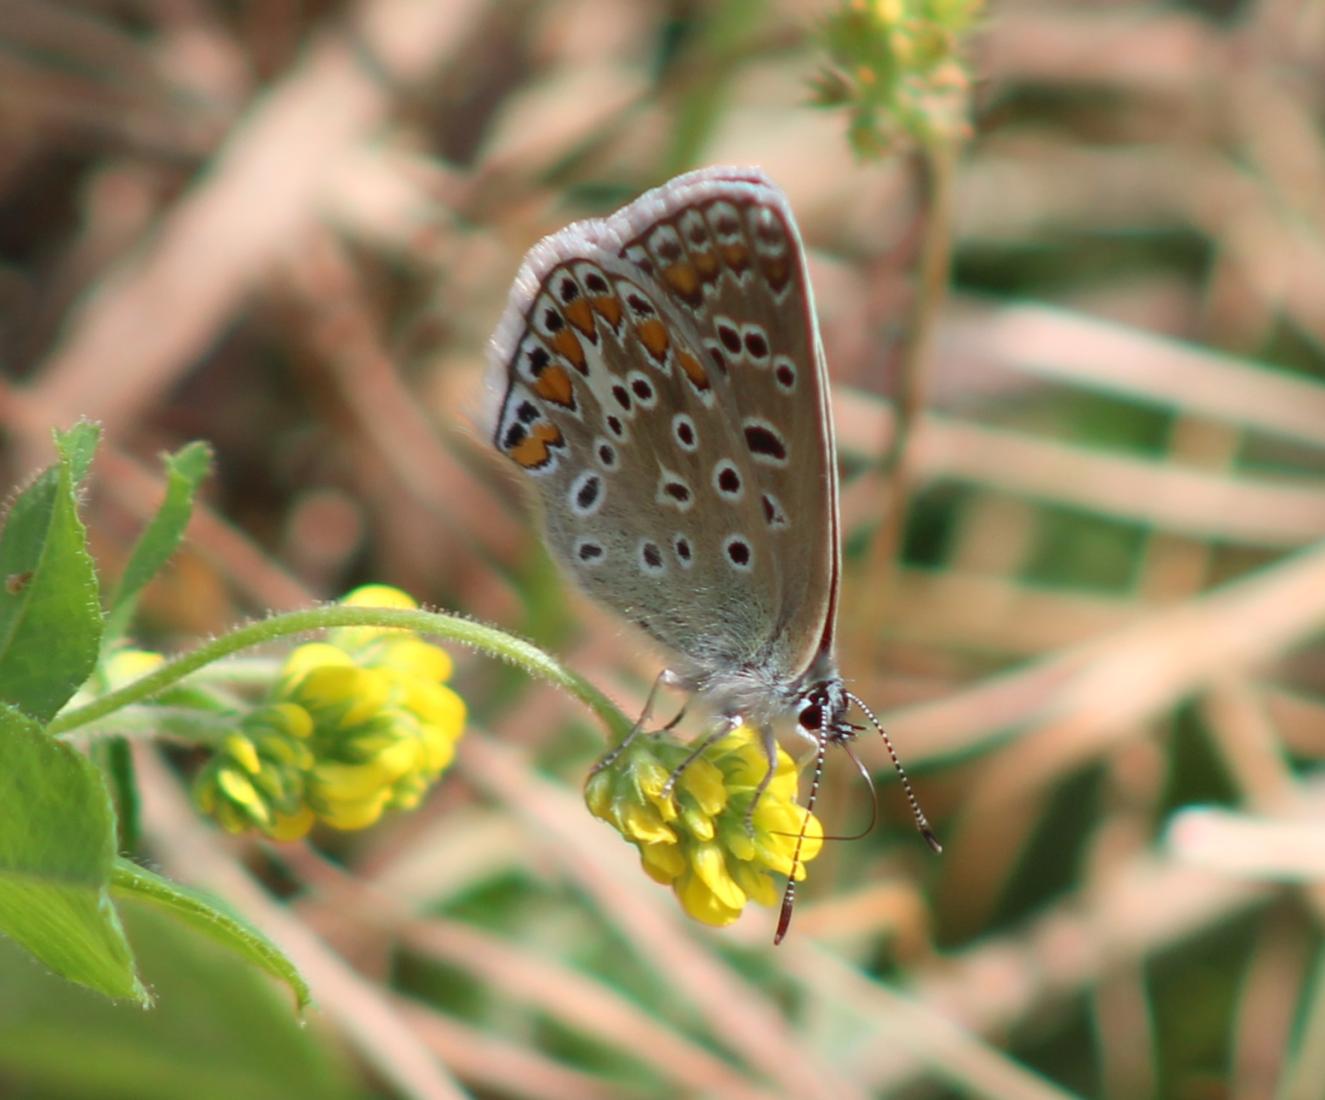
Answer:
(692, 834)
(356, 725)
(126, 665)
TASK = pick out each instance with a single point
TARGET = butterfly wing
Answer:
(725, 247)
(662, 385)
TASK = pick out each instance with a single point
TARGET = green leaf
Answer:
(185, 470)
(56, 846)
(50, 611)
(114, 757)
(203, 914)
(221, 1031)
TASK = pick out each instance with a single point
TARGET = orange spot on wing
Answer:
(706, 263)
(684, 280)
(697, 374)
(778, 272)
(580, 314)
(554, 384)
(535, 449)
(737, 257)
(566, 344)
(609, 307)
(653, 335)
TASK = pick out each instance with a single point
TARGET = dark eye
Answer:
(812, 717)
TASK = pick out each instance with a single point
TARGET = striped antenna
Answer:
(789, 894)
(922, 822)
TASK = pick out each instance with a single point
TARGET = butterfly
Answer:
(662, 385)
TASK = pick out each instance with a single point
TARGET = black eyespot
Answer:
(652, 555)
(514, 436)
(738, 551)
(596, 283)
(685, 433)
(622, 396)
(569, 291)
(587, 493)
(786, 376)
(669, 249)
(607, 454)
(589, 551)
(527, 412)
(764, 441)
(719, 360)
(682, 547)
(756, 345)
(553, 320)
(697, 234)
(731, 339)
(729, 481)
(640, 305)
(677, 491)
(538, 359)
(614, 426)
(642, 389)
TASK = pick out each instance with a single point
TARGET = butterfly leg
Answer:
(666, 676)
(769, 742)
(717, 733)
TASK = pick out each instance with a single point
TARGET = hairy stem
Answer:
(450, 628)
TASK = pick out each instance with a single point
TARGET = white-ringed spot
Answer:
(739, 553)
(685, 433)
(644, 391)
(764, 441)
(651, 561)
(606, 454)
(586, 493)
(784, 373)
(726, 223)
(674, 492)
(756, 344)
(729, 336)
(766, 230)
(685, 554)
(589, 552)
(727, 481)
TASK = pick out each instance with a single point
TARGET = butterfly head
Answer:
(821, 711)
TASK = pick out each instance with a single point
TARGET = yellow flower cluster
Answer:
(357, 725)
(695, 838)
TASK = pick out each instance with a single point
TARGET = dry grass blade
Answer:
(506, 1066)
(576, 1000)
(1078, 350)
(1078, 701)
(1196, 503)
(126, 344)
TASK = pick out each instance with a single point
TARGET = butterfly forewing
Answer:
(663, 387)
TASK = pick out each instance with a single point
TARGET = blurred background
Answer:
(1091, 612)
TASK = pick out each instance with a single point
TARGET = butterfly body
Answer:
(662, 385)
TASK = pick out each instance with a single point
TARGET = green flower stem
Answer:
(181, 725)
(937, 164)
(448, 628)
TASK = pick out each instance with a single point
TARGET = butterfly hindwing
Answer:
(663, 387)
